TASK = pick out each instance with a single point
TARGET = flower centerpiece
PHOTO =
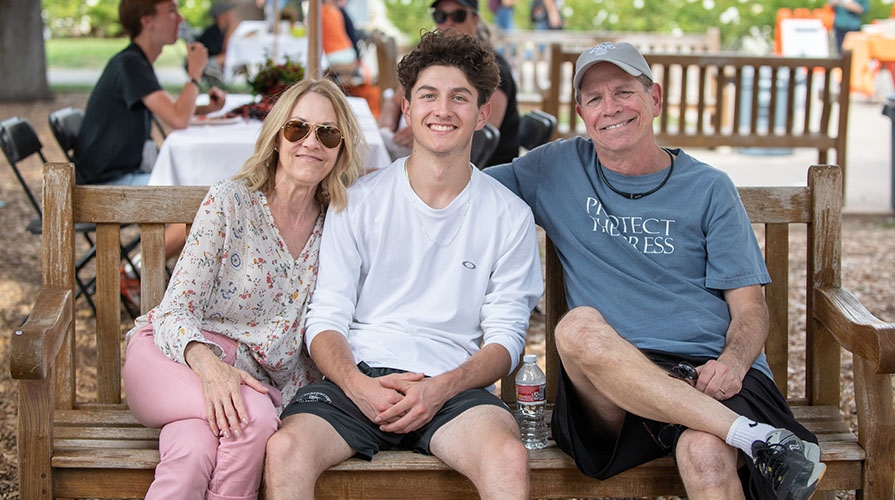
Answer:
(272, 79)
(269, 82)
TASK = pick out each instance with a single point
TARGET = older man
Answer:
(663, 277)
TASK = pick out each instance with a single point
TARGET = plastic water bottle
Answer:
(531, 405)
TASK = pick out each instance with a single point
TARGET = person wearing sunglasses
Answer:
(462, 16)
(213, 362)
(661, 350)
(427, 281)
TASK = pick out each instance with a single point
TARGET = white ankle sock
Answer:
(745, 431)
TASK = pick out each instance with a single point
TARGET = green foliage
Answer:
(99, 18)
(735, 18)
(410, 17)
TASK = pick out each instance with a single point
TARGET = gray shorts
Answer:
(326, 400)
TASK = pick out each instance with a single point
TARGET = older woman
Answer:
(213, 362)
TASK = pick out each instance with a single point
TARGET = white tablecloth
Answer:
(251, 43)
(204, 154)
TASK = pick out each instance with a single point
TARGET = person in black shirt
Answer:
(215, 37)
(114, 144)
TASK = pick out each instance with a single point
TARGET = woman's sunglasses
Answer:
(458, 16)
(297, 130)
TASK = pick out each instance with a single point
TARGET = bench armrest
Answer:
(34, 346)
(855, 328)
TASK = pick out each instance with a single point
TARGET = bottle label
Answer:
(531, 393)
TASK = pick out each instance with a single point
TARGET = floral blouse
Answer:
(237, 278)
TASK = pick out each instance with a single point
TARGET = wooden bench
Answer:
(75, 443)
(528, 52)
(713, 100)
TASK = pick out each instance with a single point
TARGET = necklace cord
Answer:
(636, 196)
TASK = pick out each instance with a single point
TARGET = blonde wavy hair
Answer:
(258, 171)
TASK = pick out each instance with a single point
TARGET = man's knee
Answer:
(282, 444)
(705, 460)
(578, 328)
(513, 455)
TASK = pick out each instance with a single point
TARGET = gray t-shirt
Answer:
(655, 267)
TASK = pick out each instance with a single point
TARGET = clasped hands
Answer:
(398, 402)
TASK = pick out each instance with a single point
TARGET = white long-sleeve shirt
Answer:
(420, 289)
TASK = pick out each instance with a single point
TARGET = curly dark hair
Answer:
(450, 48)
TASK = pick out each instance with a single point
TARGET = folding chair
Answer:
(19, 141)
(66, 125)
(535, 128)
(484, 144)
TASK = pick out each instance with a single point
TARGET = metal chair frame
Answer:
(19, 141)
(66, 124)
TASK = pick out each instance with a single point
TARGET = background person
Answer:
(545, 14)
(216, 36)
(114, 144)
(212, 363)
(431, 271)
(503, 13)
(663, 275)
(847, 17)
(462, 16)
(342, 55)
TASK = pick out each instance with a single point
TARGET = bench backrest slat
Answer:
(119, 214)
(719, 99)
(528, 51)
(778, 214)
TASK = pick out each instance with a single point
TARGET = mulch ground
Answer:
(868, 270)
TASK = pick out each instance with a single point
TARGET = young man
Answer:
(663, 276)
(462, 16)
(114, 145)
(426, 283)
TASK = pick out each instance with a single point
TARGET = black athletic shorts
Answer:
(641, 440)
(326, 400)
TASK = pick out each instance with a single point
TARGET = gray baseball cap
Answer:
(219, 8)
(622, 54)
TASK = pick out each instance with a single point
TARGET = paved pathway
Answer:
(869, 184)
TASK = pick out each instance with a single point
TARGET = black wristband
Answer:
(196, 82)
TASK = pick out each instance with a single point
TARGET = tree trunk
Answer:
(23, 61)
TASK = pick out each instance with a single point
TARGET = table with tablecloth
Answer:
(204, 154)
(252, 43)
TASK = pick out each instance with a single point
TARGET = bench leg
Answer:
(876, 428)
(35, 439)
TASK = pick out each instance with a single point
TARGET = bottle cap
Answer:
(529, 358)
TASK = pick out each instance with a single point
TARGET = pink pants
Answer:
(195, 464)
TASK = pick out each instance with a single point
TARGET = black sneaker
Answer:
(793, 466)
